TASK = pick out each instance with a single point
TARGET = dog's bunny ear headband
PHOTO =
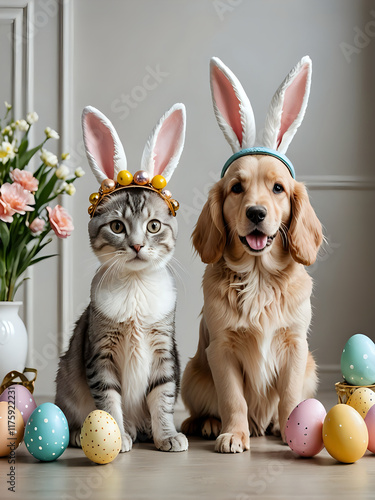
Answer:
(107, 159)
(235, 115)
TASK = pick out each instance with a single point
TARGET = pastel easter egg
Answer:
(47, 433)
(303, 430)
(100, 437)
(358, 360)
(362, 400)
(22, 398)
(370, 423)
(345, 434)
(11, 428)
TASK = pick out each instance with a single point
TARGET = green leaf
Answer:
(23, 146)
(45, 192)
(2, 269)
(42, 258)
(18, 284)
(26, 157)
(4, 234)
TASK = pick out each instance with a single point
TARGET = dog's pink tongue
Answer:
(257, 241)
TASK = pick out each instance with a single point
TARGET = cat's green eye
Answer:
(153, 226)
(117, 227)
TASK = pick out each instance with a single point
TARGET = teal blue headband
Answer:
(260, 151)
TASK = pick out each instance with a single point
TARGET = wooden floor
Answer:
(269, 470)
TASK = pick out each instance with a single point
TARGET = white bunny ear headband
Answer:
(107, 159)
(235, 115)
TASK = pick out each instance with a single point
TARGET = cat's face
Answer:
(135, 229)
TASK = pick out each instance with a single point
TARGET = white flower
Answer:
(79, 172)
(7, 151)
(22, 125)
(62, 172)
(70, 189)
(49, 158)
(7, 105)
(7, 131)
(32, 117)
(65, 156)
(51, 134)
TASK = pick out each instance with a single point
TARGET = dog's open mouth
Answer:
(257, 241)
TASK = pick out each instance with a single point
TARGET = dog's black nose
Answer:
(256, 213)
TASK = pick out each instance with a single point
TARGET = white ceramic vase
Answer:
(13, 339)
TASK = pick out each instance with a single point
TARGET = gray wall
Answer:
(107, 49)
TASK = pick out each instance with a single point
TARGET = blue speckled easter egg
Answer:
(358, 360)
(47, 432)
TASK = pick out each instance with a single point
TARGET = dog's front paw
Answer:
(178, 442)
(211, 428)
(235, 442)
(126, 443)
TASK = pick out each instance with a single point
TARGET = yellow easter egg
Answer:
(124, 178)
(100, 437)
(361, 400)
(12, 428)
(159, 182)
(345, 434)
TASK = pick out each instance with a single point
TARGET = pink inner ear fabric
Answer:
(167, 141)
(226, 101)
(293, 100)
(99, 143)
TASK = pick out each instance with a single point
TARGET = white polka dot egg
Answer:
(21, 398)
(358, 360)
(47, 433)
(100, 437)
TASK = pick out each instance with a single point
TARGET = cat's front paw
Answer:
(178, 442)
(126, 443)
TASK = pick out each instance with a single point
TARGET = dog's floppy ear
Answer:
(305, 230)
(209, 236)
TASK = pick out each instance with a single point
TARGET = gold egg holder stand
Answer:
(345, 390)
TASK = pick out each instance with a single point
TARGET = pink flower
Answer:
(37, 226)
(60, 221)
(6, 212)
(14, 199)
(25, 178)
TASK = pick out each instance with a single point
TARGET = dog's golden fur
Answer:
(252, 365)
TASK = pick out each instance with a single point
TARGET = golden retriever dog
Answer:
(256, 232)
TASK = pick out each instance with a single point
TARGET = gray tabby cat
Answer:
(122, 357)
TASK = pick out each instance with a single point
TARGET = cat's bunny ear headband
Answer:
(107, 159)
(235, 115)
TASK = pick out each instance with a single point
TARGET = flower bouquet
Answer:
(26, 215)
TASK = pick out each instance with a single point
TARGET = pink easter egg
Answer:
(303, 430)
(370, 422)
(22, 398)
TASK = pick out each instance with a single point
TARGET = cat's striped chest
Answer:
(145, 298)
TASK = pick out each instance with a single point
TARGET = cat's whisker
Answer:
(105, 275)
(177, 275)
(179, 265)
